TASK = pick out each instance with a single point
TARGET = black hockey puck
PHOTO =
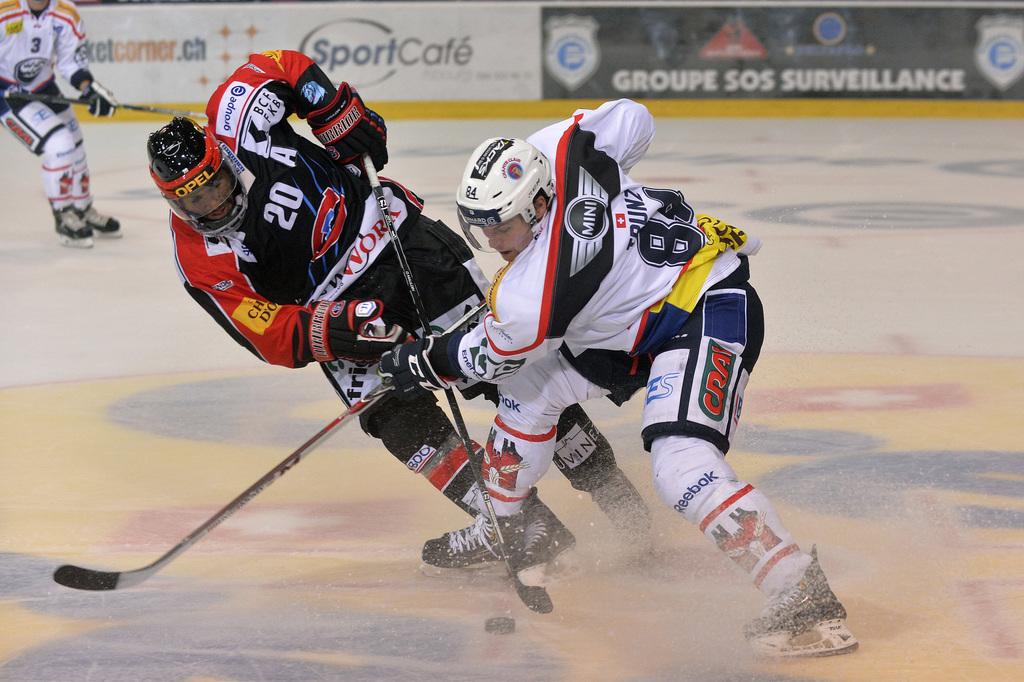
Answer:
(501, 625)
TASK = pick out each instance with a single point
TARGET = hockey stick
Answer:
(55, 99)
(535, 597)
(81, 578)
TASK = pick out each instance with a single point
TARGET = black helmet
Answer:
(187, 164)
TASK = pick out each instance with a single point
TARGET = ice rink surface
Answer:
(884, 419)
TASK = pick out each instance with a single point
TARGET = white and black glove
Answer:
(409, 369)
(101, 101)
(348, 129)
(351, 330)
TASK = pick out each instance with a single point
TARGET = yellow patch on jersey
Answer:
(14, 26)
(492, 291)
(721, 234)
(69, 10)
(255, 314)
(276, 56)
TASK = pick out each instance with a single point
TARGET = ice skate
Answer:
(805, 620)
(534, 537)
(71, 229)
(544, 555)
(102, 225)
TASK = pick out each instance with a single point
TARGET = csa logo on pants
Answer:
(718, 369)
(1000, 50)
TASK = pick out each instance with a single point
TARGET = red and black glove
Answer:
(351, 330)
(348, 129)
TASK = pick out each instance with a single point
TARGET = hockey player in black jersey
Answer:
(279, 240)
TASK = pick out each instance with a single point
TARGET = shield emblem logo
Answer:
(572, 53)
(1000, 50)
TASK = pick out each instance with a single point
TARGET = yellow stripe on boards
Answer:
(554, 109)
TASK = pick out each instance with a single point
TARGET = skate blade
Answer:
(116, 234)
(85, 243)
(827, 638)
(485, 571)
(563, 566)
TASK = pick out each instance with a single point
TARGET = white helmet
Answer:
(501, 180)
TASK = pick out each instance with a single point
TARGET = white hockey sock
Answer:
(692, 476)
(513, 462)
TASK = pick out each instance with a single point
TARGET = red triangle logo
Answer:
(734, 41)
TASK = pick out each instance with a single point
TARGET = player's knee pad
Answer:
(514, 461)
(582, 453)
(691, 475)
(59, 150)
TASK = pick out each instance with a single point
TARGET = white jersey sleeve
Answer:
(69, 38)
(623, 128)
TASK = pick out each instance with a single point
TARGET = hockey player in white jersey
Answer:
(38, 37)
(609, 287)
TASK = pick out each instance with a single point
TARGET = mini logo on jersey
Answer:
(14, 27)
(223, 285)
(733, 41)
(238, 91)
(586, 218)
(313, 92)
(1000, 50)
(255, 314)
(715, 383)
(483, 164)
(620, 220)
(572, 54)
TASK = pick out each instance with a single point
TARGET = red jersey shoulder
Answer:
(203, 264)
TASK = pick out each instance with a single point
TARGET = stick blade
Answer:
(535, 597)
(79, 578)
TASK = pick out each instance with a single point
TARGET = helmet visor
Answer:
(211, 202)
(473, 221)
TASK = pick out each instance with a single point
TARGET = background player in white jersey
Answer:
(36, 38)
(611, 286)
(280, 240)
